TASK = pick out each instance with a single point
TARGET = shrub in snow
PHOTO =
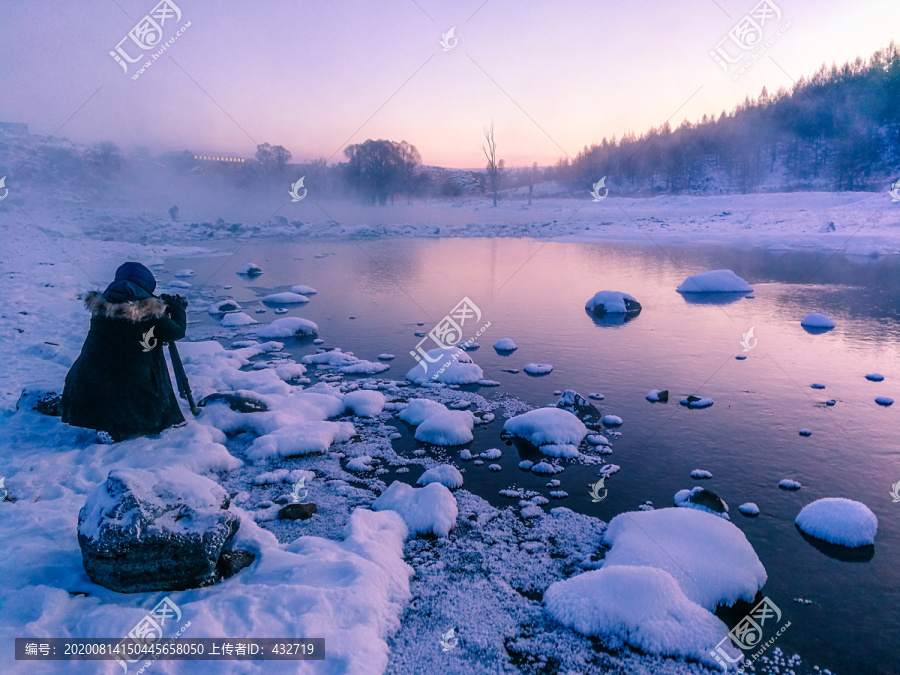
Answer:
(453, 427)
(291, 326)
(537, 368)
(716, 281)
(612, 302)
(285, 299)
(445, 474)
(709, 557)
(162, 530)
(303, 290)
(237, 319)
(641, 606)
(839, 521)
(505, 345)
(365, 403)
(449, 366)
(428, 509)
(547, 426)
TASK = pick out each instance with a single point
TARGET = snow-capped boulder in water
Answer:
(303, 290)
(365, 403)
(164, 530)
(696, 401)
(445, 474)
(579, 406)
(450, 366)
(612, 302)
(716, 281)
(291, 326)
(505, 345)
(547, 426)
(250, 270)
(839, 521)
(233, 319)
(285, 299)
(428, 509)
(184, 273)
(222, 306)
(453, 427)
(639, 605)
(537, 368)
(709, 557)
(703, 500)
(420, 409)
(817, 323)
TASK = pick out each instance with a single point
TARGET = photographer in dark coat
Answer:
(120, 383)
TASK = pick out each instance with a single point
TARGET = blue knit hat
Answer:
(133, 282)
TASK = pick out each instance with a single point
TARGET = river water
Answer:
(534, 292)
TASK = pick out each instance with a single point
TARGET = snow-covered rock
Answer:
(612, 302)
(886, 401)
(537, 368)
(250, 270)
(345, 362)
(715, 281)
(237, 319)
(700, 473)
(450, 366)
(875, 377)
(365, 403)
(839, 521)
(703, 500)
(612, 420)
(789, 484)
(453, 427)
(544, 468)
(428, 509)
(579, 406)
(547, 426)
(291, 326)
(658, 396)
(696, 402)
(303, 290)
(445, 474)
(816, 320)
(420, 409)
(184, 273)
(749, 509)
(709, 557)
(491, 453)
(300, 438)
(640, 605)
(285, 299)
(222, 306)
(505, 345)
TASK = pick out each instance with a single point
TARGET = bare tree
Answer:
(494, 165)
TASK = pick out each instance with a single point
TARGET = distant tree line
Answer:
(839, 130)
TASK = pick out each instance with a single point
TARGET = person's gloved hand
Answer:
(174, 300)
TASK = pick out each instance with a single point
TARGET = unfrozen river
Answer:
(842, 604)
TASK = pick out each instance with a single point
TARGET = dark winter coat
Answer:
(120, 383)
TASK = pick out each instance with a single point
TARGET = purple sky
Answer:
(553, 77)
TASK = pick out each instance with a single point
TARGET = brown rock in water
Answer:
(297, 511)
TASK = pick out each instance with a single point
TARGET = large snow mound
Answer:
(450, 366)
(453, 427)
(420, 409)
(716, 281)
(839, 521)
(428, 509)
(642, 606)
(285, 299)
(365, 403)
(709, 557)
(547, 426)
(445, 474)
(302, 438)
(612, 302)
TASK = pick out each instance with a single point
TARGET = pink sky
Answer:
(553, 77)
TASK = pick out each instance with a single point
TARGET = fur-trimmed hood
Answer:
(133, 310)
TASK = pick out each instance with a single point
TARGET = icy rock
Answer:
(297, 511)
(579, 406)
(233, 319)
(458, 368)
(819, 321)
(238, 402)
(250, 270)
(445, 474)
(545, 468)
(492, 453)
(816, 385)
(41, 397)
(597, 439)
(839, 521)
(696, 402)
(494, 467)
(526, 464)
(612, 420)
(749, 509)
(658, 396)
(505, 345)
(184, 273)
(805, 432)
(303, 290)
(716, 281)
(429, 509)
(291, 326)
(700, 473)
(546, 426)
(596, 396)
(164, 530)
(703, 500)
(537, 368)
(789, 484)
(365, 403)
(453, 427)
(612, 302)
(223, 306)
(285, 299)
